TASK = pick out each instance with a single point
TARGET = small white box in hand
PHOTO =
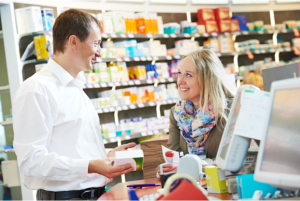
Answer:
(133, 157)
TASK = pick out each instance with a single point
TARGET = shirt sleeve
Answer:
(174, 134)
(33, 124)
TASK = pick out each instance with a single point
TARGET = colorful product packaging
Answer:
(40, 47)
(48, 19)
(215, 179)
(224, 25)
(242, 21)
(258, 25)
(210, 25)
(205, 14)
(290, 24)
(235, 25)
(222, 13)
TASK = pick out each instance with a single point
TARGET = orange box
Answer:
(205, 14)
(222, 13)
(235, 25)
(224, 25)
(210, 25)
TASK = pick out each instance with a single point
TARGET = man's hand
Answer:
(168, 168)
(105, 167)
(123, 147)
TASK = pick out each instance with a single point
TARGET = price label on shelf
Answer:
(124, 83)
(164, 102)
(168, 57)
(84, 87)
(284, 31)
(141, 105)
(132, 106)
(245, 32)
(162, 80)
(127, 137)
(119, 108)
(123, 35)
(151, 103)
(156, 132)
(166, 130)
(105, 109)
(197, 35)
(126, 59)
(205, 34)
(165, 35)
(149, 58)
(103, 84)
(155, 58)
(96, 85)
(118, 59)
(214, 34)
(187, 35)
(174, 100)
(263, 51)
(136, 59)
(270, 31)
(104, 141)
(104, 35)
(260, 32)
(237, 33)
(130, 35)
(149, 35)
(111, 109)
(130, 82)
(99, 111)
(226, 34)
(171, 79)
(137, 82)
(113, 35)
(89, 86)
(149, 81)
(256, 51)
(169, 101)
(218, 54)
(125, 107)
(143, 134)
(143, 58)
(173, 35)
(117, 84)
(288, 49)
(177, 57)
(110, 84)
(98, 59)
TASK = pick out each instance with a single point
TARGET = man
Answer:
(57, 140)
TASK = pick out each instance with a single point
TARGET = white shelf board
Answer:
(4, 89)
(6, 123)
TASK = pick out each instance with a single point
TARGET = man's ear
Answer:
(73, 42)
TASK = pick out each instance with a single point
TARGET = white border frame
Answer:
(276, 179)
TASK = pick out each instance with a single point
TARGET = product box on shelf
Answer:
(258, 25)
(160, 25)
(215, 43)
(130, 23)
(222, 13)
(205, 14)
(201, 29)
(137, 72)
(108, 24)
(226, 44)
(235, 25)
(224, 25)
(279, 27)
(29, 19)
(40, 47)
(171, 28)
(290, 24)
(242, 22)
(210, 25)
(117, 20)
(48, 19)
(113, 73)
(268, 27)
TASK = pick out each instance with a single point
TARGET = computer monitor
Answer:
(233, 148)
(278, 161)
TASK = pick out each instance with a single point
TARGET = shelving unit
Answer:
(6, 123)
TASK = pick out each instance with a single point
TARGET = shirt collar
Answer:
(63, 76)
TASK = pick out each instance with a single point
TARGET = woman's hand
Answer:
(168, 168)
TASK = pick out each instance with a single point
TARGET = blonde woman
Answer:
(197, 121)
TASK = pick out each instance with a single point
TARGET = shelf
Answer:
(128, 83)
(135, 136)
(6, 123)
(4, 89)
(266, 51)
(135, 106)
(204, 35)
(7, 150)
(49, 33)
(33, 61)
(1, 34)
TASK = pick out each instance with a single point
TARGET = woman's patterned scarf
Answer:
(194, 126)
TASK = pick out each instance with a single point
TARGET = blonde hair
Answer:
(214, 83)
(254, 79)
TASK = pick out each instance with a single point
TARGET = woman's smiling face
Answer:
(188, 84)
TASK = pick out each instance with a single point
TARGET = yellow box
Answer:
(40, 47)
(215, 179)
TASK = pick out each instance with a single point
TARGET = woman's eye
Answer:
(188, 75)
(179, 73)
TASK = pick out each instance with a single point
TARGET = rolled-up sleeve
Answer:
(33, 124)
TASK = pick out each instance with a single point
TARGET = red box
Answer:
(222, 13)
(210, 25)
(235, 26)
(224, 25)
(205, 14)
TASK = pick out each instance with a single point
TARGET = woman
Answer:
(197, 121)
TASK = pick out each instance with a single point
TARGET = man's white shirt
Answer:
(56, 132)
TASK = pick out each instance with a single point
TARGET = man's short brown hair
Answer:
(71, 22)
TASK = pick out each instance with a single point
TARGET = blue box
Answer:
(242, 21)
(132, 51)
(246, 186)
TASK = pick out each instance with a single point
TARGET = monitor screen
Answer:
(282, 147)
(235, 114)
